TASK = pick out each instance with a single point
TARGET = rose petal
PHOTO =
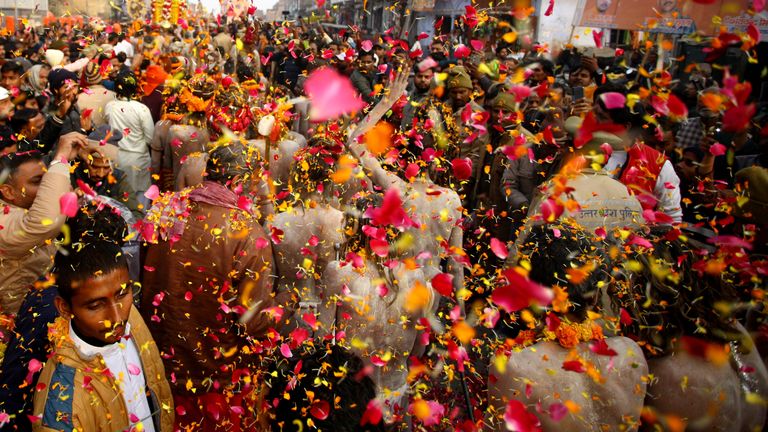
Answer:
(717, 149)
(499, 248)
(518, 418)
(285, 350)
(152, 193)
(332, 95)
(462, 168)
(462, 51)
(613, 100)
(520, 292)
(443, 284)
(134, 369)
(320, 409)
(68, 204)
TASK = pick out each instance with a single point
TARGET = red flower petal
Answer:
(477, 45)
(518, 418)
(443, 284)
(320, 409)
(600, 347)
(551, 210)
(550, 8)
(520, 292)
(380, 247)
(462, 168)
(574, 366)
(598, 38)
(462, 51)
(372, 414)
(676, 107)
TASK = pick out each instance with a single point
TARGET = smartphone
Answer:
(578, 93)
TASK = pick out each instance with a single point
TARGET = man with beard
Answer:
(422, 82)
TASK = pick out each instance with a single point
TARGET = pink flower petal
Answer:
(244, 203)
(613, 100)
(499, 248)
(68, 204)
(477, 45)
(461, 51)
(379, 247)
(521, 92)
(134, 369)
(152, 193)
(718, 149)
(285, 350)
(332, 95)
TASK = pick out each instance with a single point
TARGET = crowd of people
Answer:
(234, 225)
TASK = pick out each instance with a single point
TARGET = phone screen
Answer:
(578, 93)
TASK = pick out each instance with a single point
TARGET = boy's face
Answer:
(100, 306)
(10, 80)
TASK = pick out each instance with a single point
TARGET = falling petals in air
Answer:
(332, 95)
(152, 193)
(391, 211)
(320, 409)
(717, 149)
(613, 100)
(461, 51)
(499, 248)
(462, 168)
(372, 414)
(285, 350)
(34, 366)
(519, 292)
(68, 204)
(443, 284)
(518, 418)
(550, 8)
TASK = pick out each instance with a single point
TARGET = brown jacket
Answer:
(26, 238)
(74, 392)
(195, 290)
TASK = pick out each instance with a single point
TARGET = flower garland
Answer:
(568, 334)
